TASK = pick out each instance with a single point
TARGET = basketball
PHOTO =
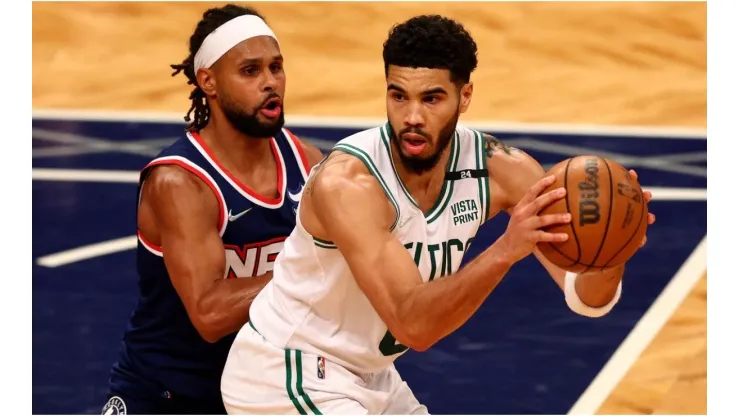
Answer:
(609, 214)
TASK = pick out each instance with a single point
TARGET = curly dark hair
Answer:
(212, 19)
(432, 41)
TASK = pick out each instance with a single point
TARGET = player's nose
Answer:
(414, 116)
(270, 82)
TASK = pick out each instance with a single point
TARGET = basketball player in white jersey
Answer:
(372, 267)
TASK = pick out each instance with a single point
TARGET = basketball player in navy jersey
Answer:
(213, 211)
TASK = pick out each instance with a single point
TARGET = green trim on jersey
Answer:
(484, 189)
(324, 243)
(365, 158)
(252, 325)
(448, 186)
(446, 194)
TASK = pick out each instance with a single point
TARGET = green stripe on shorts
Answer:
(299, 384)
(288, 386)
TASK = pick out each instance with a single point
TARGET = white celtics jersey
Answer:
(313, 303)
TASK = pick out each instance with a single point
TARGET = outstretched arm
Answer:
(346, 205)
(180, 213)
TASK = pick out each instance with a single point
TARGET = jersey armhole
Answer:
(195, 170)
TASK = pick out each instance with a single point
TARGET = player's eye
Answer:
(251, 70)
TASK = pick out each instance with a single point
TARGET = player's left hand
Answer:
(648, 197)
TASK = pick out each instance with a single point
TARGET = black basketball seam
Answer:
(576, 263)
(582, 264)
(608, 218)
(563, 254)
(567, 206)
(634, 233)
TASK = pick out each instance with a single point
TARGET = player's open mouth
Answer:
(272, 108)
(413, 143)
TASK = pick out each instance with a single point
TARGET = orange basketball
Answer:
(609, 214)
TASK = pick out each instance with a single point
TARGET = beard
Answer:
(249, 123)
(418, 164)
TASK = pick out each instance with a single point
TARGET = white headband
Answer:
(227, 36)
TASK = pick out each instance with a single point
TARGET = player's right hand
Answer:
(525, 226)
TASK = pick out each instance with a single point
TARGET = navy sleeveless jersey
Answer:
(161, 349)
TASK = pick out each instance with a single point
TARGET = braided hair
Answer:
(212, 19)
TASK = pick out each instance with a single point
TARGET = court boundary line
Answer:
(126, 176)
(631, 131)
(644, 332)
(88, 251)
(85, 175)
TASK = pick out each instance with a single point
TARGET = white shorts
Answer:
(260, 378)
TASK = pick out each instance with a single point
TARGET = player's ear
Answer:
(206, 81)
(466, 95)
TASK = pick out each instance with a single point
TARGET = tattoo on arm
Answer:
(493, 144)
(309, 186)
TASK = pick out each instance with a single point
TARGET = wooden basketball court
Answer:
(596, 63)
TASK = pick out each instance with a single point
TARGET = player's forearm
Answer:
(224, 309)
(436, 309)
(596, 289)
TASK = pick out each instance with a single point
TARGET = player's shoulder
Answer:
(173, 179)
(511, 163)
(342, 169)
(502, 160)
(175, 169)
(175, 196)
(342, 177)
(344, 182)
(511, 171)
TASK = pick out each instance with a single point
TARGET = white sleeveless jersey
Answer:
(313, 302)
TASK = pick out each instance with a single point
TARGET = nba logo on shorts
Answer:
(321, 367)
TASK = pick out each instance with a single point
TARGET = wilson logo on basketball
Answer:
(611, 210)
(589, 211)
(627, 190)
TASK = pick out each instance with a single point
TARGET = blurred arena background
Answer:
(625, 80)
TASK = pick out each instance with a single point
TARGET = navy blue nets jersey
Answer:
(161, 348)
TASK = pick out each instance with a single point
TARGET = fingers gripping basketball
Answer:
(525, 226)
(609, 214)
